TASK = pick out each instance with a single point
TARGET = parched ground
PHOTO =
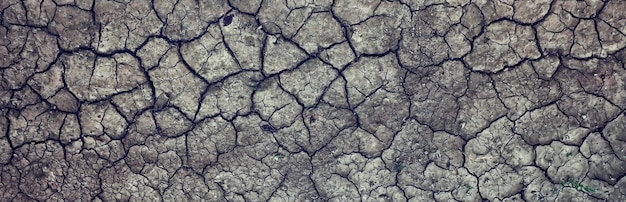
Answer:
(312, 100)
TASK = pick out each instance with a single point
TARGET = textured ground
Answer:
(313, 100)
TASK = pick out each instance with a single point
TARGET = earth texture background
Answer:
(312, 100)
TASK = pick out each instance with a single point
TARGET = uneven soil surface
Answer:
(312, 100)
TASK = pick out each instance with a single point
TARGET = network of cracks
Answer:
(312, 100)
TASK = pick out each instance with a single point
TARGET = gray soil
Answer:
(312, 100)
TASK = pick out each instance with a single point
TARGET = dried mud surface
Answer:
(312, 100)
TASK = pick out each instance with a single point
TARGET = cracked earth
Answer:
(312, 100)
